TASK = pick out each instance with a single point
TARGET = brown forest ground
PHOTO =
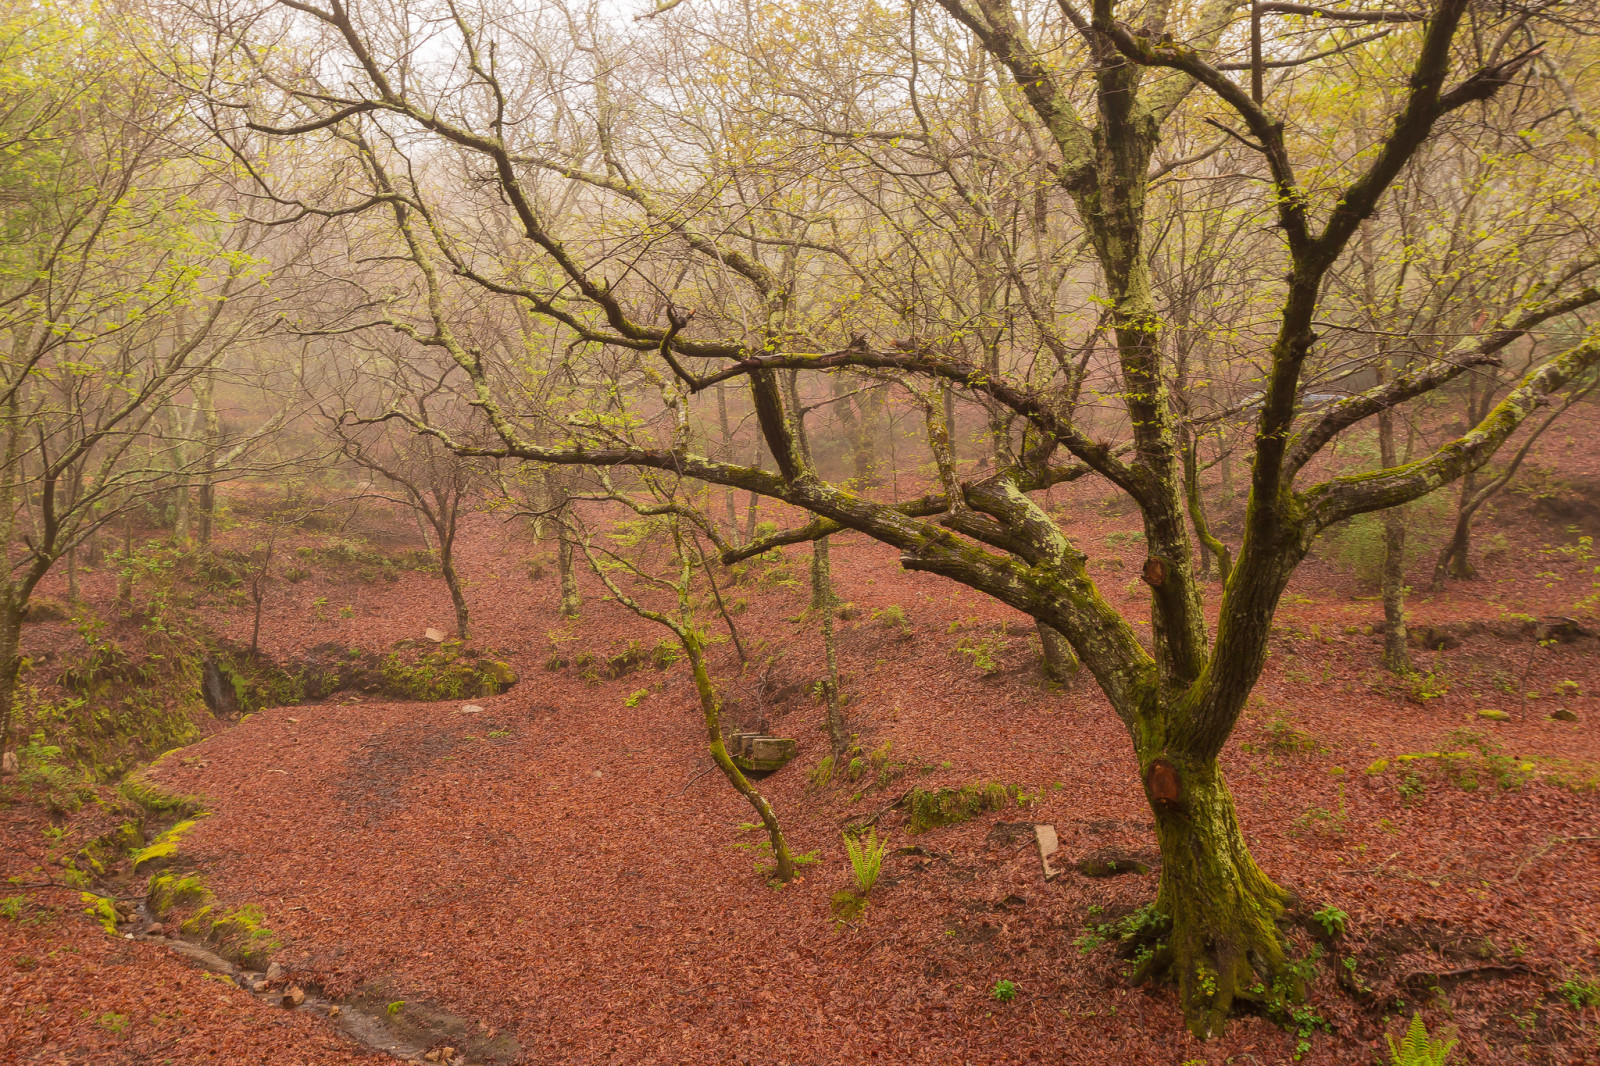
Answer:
(557, 867)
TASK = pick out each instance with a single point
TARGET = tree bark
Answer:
(1060, 662)
(570, 599)
(453, 582)
(11, 613)
(1223, 944)
(1396, 658)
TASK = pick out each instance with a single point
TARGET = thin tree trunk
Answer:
(1396, 659)
(11, 613)
(453, 583)
(206, 490)
(822, 601)
(1210, 545)
(570, 599)
(711, 710)
(727, 456)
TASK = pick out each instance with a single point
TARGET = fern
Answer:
(866, 857)
(1417, 1048)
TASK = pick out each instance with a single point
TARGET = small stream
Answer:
(364, 1027)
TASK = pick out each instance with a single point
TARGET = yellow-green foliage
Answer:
(930, 808)
(101, 910)
(165, 846)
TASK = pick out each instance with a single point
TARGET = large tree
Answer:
(681, 165)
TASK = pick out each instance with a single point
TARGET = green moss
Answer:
(155, 799)
(241, 936)
(930, 808)
(198, 922)
(165, 846)
(167, 892)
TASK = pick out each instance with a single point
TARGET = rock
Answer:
(156, 929)
(335, 1010)
(293, 997)
(502, 673)
(1045, 837)
(761, 754)
(1494, 715)
(274, 973)
(216, 688)
(435, 635)
(1561, 714)
(471, 708)
(124, 909)
(1112, 862)
(259, 984)
(8, 765)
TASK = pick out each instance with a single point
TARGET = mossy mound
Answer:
(931, 808)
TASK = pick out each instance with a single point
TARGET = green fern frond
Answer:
(1417, 1048)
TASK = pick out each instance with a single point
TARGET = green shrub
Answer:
(1003, 991)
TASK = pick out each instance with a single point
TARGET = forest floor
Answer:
(553, 868)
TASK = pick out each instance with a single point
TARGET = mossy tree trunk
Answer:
(1396, 658)
(1060, 662)
(681, 623)
(1223, 944)
(711, 710)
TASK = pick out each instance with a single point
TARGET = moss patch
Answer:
(931, 808)
(165, 847)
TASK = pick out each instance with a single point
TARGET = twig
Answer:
(874, 819)
(697, 777)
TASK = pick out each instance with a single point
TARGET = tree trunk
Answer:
(570, 600)
(822, 601)
(453, 582)
(1395, 657)
(711, 709)
(206, 490)
(727, 457)
(11, 613)
(1060, 662)
(1218, 910)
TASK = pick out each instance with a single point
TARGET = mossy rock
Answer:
(167, 891)
(1494, 715)
(240, 935)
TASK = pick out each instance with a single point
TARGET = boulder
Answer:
(8, 764)
(1561, 714)
(1494, 715)
(435, 635)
